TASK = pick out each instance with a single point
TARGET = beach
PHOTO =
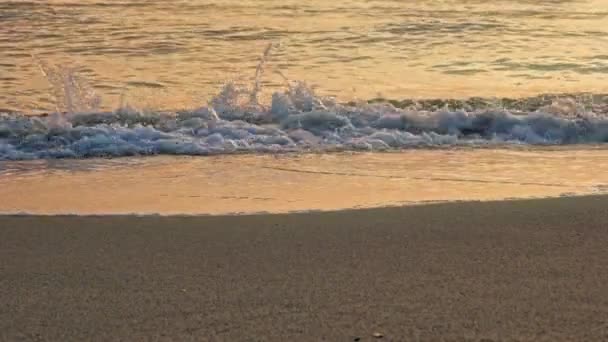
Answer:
(507, 270)
(287, 170)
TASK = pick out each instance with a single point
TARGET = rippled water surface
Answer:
(250, 184)
(176, 54)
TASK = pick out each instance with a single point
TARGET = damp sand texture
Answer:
(517, 270)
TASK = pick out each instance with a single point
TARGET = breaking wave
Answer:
(295, 120)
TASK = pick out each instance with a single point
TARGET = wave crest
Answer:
(296, 120)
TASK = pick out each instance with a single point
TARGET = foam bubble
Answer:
(296, 120)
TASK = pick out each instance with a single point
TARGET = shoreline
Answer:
(413, 204)
(173, 185)
(523, 270)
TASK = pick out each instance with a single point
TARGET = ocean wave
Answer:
(296, 120)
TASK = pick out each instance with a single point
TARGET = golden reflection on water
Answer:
(249, 183)
(176, 54)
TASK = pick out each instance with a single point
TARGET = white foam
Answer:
(296, 120)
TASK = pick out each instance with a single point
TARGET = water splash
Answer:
(71, 91)
(259, 72)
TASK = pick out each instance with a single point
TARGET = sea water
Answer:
(244, 105)
(177, 54)
(244, 184)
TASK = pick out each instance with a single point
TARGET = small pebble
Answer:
(377, 335)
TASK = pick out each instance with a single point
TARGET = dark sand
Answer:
(519, 270)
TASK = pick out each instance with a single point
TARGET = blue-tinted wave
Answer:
(297, 120)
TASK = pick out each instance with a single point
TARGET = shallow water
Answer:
(283, 183)
(177, 54)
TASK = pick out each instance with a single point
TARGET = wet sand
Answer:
(515, 270)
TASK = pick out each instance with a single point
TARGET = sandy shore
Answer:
(518, 270)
